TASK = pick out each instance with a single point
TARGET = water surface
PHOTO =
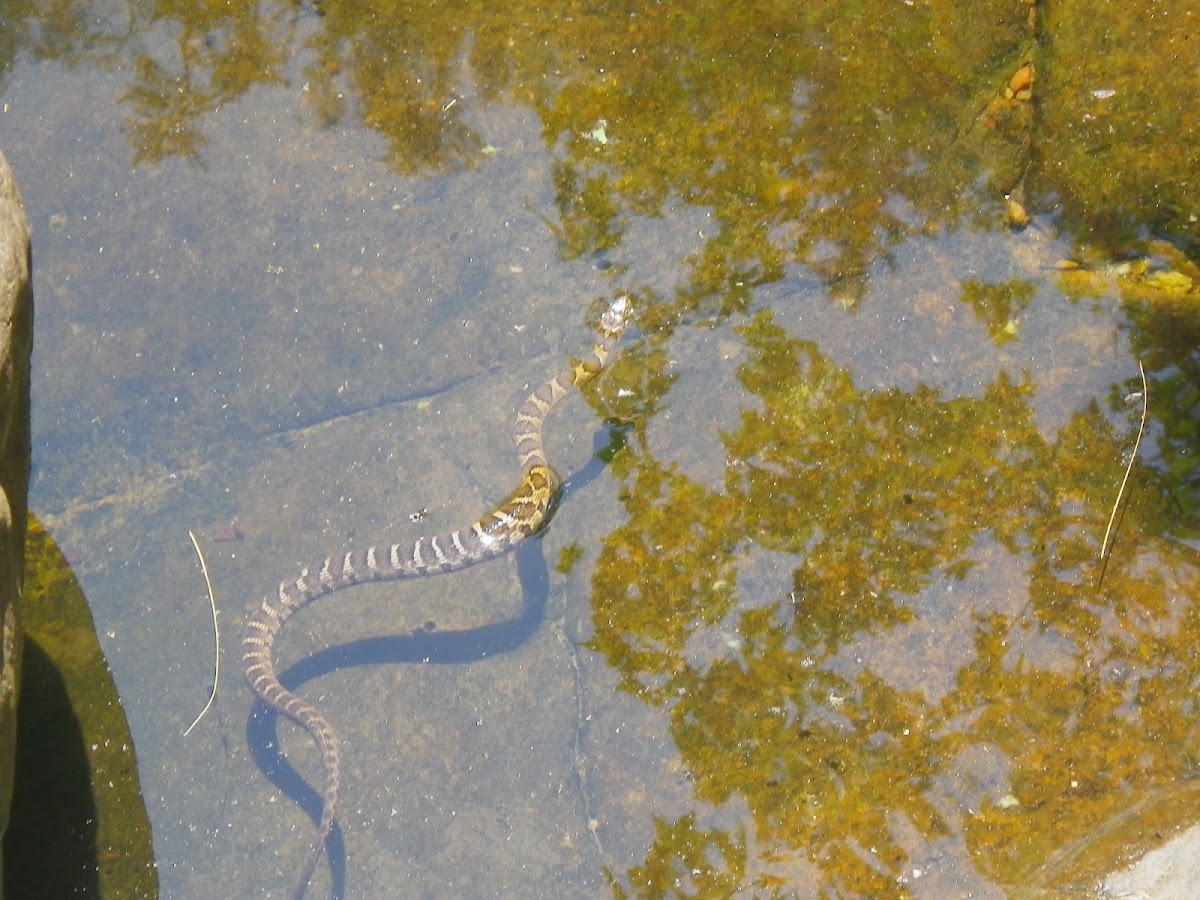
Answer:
(835, 619)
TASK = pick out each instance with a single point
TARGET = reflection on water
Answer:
(831, 621)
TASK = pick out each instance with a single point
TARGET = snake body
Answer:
(523, 514)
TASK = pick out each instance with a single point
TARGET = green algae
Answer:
(1121, 116)
(1084, 692)
(681, 863)
(822, 135)
(567, 558)
(998, 306)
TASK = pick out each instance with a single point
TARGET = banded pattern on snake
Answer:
(523, 514)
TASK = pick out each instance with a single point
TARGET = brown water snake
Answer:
(523, 514)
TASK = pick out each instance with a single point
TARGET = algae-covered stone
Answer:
(1119, 115)
(79, 826)
(16, 336)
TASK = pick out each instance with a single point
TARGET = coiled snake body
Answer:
(521, 516)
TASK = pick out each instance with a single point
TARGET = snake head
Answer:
(616, 317)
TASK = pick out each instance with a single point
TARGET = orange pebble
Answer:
(1021, 84)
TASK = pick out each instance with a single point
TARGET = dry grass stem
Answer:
(1110, 531)
(212, 602)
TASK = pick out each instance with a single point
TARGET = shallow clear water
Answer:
(829, 621)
